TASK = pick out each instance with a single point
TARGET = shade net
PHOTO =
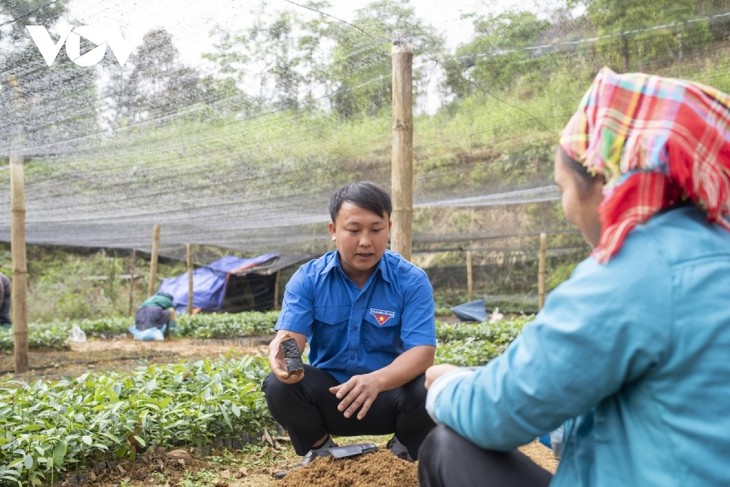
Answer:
(230, 124)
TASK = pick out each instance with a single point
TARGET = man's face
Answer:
(361, 238)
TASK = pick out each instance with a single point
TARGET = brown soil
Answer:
(122, 353)
(381, 468)
(173, 466)
(158, 467)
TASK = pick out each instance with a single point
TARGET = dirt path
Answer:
(123, 353)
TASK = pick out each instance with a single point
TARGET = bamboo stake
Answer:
(19, 300)
(276, 290)
(541, 272)
(189, 260)
(153, 259)
(469, 275)
(132, 270)
(402, 151)
(470, 261)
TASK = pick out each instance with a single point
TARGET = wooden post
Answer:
(112, 279)
(469, 275)
(153, 259)
(189, 260)
(276, 289)
(541, 272)
(470, 261)
(402, 151)
(132, 271)
(19, 299)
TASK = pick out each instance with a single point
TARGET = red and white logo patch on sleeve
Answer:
(382, 316)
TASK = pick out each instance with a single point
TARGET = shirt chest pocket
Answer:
(330, 325)
(381, 332)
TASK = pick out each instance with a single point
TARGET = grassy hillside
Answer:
(486, 143)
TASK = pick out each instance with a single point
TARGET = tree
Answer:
(361, 64)
(16, 14)
(152, 84)
(496, 58)
(285, 63)
(45, 109)
(637, 33)
(274, 61)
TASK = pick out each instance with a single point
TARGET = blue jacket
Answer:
(633, 354)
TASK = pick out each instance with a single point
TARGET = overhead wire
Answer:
(196, 148)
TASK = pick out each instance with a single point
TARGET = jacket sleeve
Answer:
(606, 325)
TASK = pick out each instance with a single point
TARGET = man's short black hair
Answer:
(365, 194)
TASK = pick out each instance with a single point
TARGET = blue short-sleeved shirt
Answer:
(356, 331)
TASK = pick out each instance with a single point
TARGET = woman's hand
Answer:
(436, 371)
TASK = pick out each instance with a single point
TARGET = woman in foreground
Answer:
(630, 353)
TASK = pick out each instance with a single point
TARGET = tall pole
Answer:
(276, 289)
(153, 259)
(132, 272)
(189, 260)
(469, 261)
(402, 152)
(19, 300)
(541, 271)
(469, 275)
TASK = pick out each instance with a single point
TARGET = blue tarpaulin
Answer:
(209, 282)
(471, 311)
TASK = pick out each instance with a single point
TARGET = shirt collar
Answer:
(382, 266)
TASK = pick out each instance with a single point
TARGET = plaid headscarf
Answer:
(657, 141)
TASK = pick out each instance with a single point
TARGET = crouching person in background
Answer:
(154, 318)
(368, 317)
(5, 296)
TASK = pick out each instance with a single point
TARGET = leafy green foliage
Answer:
(496, 57)
(223, 325)
(50, 427)
(47, 428)
(474, 344)
(214, 325)
(78, 285)
(133, 97)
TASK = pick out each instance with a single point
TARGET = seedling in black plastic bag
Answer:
(292, 357)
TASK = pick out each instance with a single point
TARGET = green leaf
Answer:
(28, 462)
(225, 416)
(140, 440)
(87, 439)
(59, 452)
